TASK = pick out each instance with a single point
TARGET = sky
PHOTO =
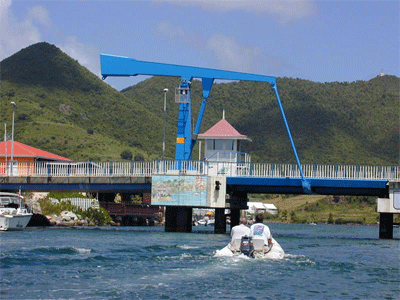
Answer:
(322, 41)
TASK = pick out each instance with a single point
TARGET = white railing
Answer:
(173, 167)
(83, 203)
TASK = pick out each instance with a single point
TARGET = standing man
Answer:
(260, 231)
(238, 231)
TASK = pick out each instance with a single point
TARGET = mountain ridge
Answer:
(65, 109)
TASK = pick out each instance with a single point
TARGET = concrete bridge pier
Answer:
(220, 221)
(235, 217)
(178, 219)
(237, 201)
(386, 226)
(386, 208)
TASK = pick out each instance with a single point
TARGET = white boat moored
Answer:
(13, 213)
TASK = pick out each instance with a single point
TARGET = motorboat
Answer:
(253, 248)
(205, 222)
(13, 213)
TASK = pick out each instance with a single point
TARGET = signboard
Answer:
(179, 190)
(188, 190)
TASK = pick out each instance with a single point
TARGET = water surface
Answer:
(321, 262)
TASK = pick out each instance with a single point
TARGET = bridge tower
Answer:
(223, 153)
(112, 65)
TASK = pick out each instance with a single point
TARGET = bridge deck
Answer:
(248, 177)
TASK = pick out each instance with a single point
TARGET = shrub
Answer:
(126, 154)
(98, 216)
(23, 117)
(330, 219)
(139, 157)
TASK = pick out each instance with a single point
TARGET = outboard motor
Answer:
(246, 246)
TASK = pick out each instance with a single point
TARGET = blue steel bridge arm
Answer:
(207, 85)
(305, 184)
(112, 65)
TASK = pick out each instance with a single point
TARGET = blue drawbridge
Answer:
(112, 65)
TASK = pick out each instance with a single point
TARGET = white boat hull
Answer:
(276, 252)
(14, 222)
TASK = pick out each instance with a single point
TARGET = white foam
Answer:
(187, 247)
(82, 250)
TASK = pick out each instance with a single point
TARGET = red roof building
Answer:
(222, 130)
(25, 153)
(223, 143)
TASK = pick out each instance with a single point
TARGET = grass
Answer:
(322, 209)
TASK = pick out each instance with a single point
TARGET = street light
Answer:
(164, 121)
(12, 140)
(12, 134)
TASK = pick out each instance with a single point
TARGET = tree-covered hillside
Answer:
(349, 123)
(65, 109)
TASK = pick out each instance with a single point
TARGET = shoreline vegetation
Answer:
(322, 209)
(300, 209)
(63, 213)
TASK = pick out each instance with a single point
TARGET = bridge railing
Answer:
(174, 167)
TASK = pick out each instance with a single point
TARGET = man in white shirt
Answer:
(238, 231)
(260, 231)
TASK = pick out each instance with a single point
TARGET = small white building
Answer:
(259, 207)
(223, 149)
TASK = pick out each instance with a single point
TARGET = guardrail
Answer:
(173, 167)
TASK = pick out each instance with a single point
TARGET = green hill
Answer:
(348, 123)
(65, 109)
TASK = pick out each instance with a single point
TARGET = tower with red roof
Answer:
(223, 145)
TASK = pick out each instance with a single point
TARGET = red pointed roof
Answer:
(222, 130)
(22, 150)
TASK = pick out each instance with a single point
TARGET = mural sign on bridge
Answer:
(175, 190)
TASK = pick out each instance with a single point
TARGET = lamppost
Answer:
(164, 121)
(12, 133)
(12, 138)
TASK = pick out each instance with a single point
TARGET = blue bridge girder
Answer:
(133, 176)
(112, 65)
(255, 185)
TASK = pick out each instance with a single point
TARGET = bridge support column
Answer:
(235, 217)
(106, 197)
(178, 219)
(237, 201)
(386, 226)
(220, 221)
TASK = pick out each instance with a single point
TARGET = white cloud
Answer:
(166, 29)
(233, 56)
(17, 34)
(40, 14)
(225, 52)
(283, 11)
(14, 34)
(87, 56)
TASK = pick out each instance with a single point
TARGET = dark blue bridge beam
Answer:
(236, 184)
(79, 187)
(354, 187)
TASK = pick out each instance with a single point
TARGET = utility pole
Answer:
(12, 139)
(164, 122)
(12, 134)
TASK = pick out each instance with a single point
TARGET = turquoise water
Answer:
(321, 262)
